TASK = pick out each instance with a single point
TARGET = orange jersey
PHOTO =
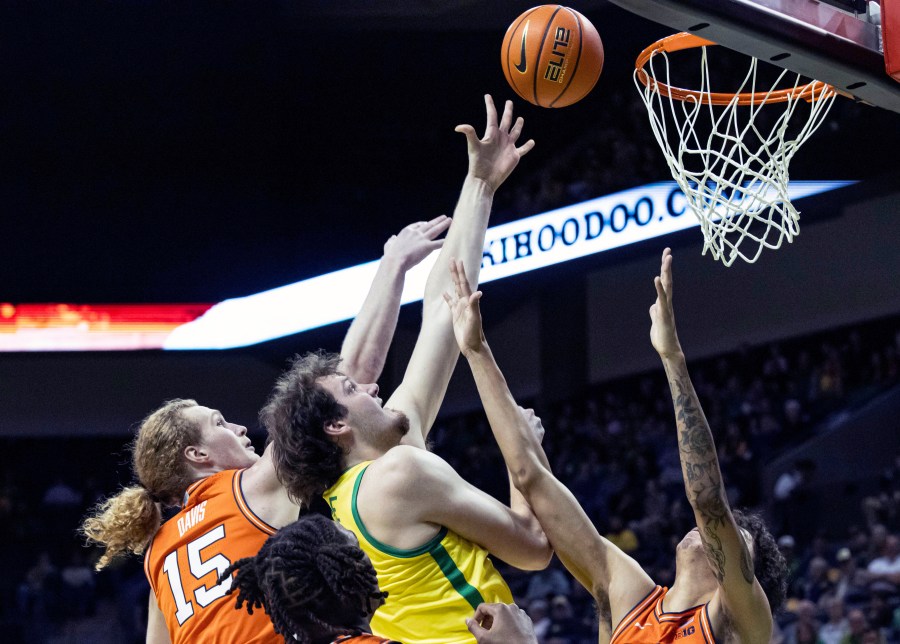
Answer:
(648, 624)
(214, 528)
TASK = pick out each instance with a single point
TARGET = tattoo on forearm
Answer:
(712, 544)
(702, 478)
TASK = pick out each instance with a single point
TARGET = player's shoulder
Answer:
(407, 456)
(404, 465)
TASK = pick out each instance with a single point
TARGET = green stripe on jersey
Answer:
(455, 577)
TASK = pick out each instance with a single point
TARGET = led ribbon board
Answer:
(528, 244)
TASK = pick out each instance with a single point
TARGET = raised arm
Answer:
(615, 580)
(491, 160)
(369, 337)
(726, 548)
(362, 354)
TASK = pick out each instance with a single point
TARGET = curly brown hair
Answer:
(306, 460)
(769, 564)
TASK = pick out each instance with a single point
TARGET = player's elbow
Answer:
(538, 554)
(528, 474)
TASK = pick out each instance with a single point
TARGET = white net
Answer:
(731, 165)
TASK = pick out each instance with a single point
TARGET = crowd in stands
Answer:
(614, 446)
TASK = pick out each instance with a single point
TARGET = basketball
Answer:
(552, 56)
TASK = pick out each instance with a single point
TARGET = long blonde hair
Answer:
(126, 522)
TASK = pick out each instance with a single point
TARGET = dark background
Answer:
(196, 151)
(179, 152)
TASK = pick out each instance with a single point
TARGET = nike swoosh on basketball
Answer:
(523, 64)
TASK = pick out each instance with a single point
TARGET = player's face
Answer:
(365, 415)
(226, 443)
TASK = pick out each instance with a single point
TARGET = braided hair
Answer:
(310, 579)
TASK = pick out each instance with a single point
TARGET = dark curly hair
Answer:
(312, 581)
(306, 460)
(769, 564)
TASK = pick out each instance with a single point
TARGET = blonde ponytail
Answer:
(123, 524)
(126, 522)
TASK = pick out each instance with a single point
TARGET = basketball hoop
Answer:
(734, 176)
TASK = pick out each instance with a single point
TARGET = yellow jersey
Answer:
(431, 589)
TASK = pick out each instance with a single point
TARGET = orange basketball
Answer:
(552, 56)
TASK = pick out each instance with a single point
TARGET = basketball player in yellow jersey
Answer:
(729, 574)
(427, 531)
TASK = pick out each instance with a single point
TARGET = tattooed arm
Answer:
(727, 547)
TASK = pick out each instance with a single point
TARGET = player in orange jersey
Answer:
(729, 572)
(189, 456)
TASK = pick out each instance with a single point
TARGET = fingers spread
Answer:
(526, 148)
(491, 111)
(506, 121)
(468, 130)
(516, 129)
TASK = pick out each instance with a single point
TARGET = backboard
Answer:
(837, 41)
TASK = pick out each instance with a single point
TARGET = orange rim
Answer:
(809, 92)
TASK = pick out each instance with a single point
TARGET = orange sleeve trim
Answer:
(244, 508)
(706, 625)
(637, 610)
(147, 566)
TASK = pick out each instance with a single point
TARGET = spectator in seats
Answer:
(878, 534)
(539, 612)
(884, 506)
(872, 636)
(788, 548)
(836, 629)
(61, 494)
(78, 586)
(816, 584)
(563, 625)
(621, 536)
(794, 417)
(857, 627)
(885, 570)
(37, 598)
(879, 613)
(547, 583)
(852, 582)
(805, 629)
(795, 503)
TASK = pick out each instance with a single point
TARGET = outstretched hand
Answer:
(464, 310)
(662, 330)
(493, 157)
(416, 241)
